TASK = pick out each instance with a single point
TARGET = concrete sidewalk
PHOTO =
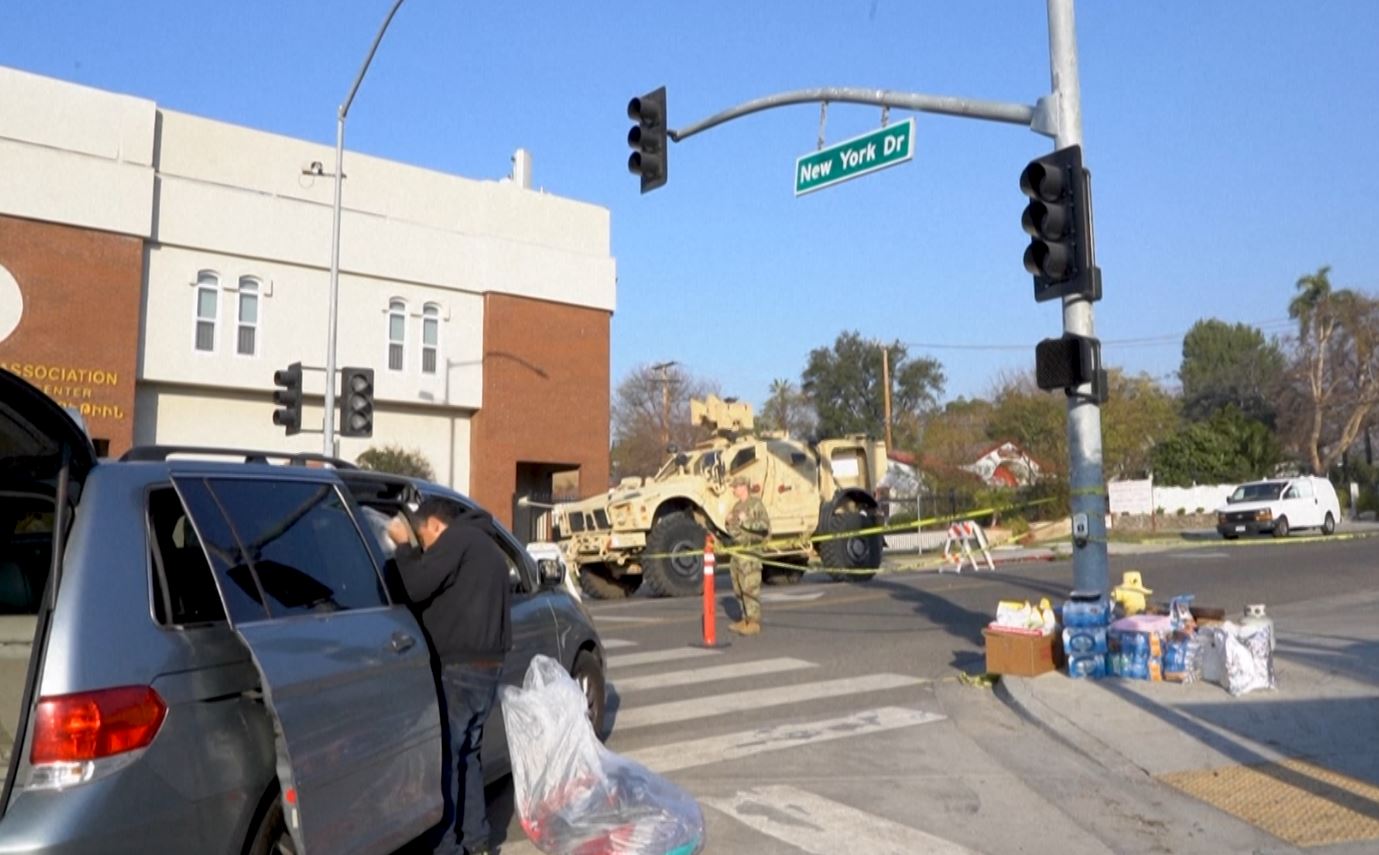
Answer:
(1301, 762)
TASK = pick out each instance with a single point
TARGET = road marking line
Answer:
(615, 643)
(733, 746)
(754, 668)
(624, 619)
(712, 705)
(779, 597)
(627, 660)
(819, 826)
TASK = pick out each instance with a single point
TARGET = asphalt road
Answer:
(843, 726)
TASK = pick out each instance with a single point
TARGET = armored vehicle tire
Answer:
(675, 575)
(850, 553)
(596, 582)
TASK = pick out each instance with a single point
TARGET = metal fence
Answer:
(532, 520)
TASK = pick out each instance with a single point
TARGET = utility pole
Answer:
(665, 400)
(886, 383)
(334, 310)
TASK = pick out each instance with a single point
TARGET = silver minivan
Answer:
(207, 656)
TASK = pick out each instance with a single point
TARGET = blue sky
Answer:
(1232, 145)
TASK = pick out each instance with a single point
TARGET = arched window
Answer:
(248, 316)
(430, 337)
(207, 308)
(397, 333)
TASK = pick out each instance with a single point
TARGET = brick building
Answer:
(156, 268)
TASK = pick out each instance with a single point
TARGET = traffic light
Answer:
(1058, 220)
(1068, 362)
(648, 137)
(288, 397)
(356, 395)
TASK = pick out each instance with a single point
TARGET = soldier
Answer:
(748, 525)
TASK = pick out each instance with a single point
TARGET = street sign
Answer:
(842, 161)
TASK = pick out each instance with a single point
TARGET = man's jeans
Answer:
(470, 691)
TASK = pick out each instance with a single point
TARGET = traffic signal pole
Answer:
(1091, 571)
(1057, 115)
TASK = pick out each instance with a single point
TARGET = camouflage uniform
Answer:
(748, 524)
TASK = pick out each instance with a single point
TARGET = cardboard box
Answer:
(1022, 655)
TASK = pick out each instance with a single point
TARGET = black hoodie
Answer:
(462, 591)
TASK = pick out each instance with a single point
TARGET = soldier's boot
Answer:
(750, 627)
(739, 626)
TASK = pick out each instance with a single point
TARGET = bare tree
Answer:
(651, 411)
(1336, 364)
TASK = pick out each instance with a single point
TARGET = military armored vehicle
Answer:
(634, 534)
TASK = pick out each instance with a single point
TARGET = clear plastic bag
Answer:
(574, 796)
(1249, 661)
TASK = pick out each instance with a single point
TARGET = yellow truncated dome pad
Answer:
(1296, 801)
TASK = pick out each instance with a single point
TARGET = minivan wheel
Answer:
(271, 837)
(1329, 526)
(1281, 527)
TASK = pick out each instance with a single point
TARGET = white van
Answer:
(1279, 506)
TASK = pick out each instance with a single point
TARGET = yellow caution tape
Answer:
(773, 545)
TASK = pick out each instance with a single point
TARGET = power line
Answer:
(1270, 325)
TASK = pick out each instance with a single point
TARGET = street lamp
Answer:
(340, 114)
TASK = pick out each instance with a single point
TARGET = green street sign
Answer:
(871, 151)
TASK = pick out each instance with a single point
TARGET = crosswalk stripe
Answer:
(756, 699)
(820, 826)
(755, 668)
(615, 643)
(733, 746)
(627, 660)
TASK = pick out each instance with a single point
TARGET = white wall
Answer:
(1144, 496)
(75, 155)
(243, 192)
(292, 327)
(171, 415)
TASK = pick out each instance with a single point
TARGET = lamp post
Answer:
(329, 432)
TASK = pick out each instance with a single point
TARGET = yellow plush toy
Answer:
(1130, 593)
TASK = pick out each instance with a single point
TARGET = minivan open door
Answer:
(345, 673)
(43, 452)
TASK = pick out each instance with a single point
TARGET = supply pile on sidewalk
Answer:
(1123, 637)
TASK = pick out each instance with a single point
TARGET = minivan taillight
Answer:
(91, 725)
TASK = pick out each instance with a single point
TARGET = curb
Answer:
(1015, 693)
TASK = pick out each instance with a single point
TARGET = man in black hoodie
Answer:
(459, 585)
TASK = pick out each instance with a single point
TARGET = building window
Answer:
(397, 333)
(430, 337)
(248, 316)
(207, 301)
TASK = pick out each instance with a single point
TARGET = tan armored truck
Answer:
(634, 532)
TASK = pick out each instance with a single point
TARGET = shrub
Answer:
(1182, 512)
(397, 460)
